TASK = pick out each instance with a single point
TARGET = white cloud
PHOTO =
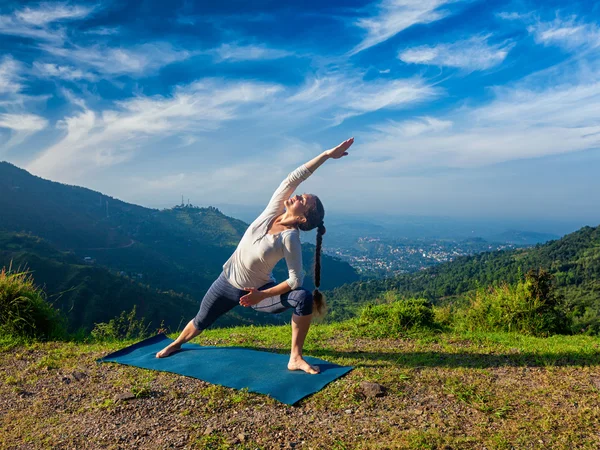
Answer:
(12, 98)
(109, 60)
(569, 33)
(41, 22)
(318, 89)
(471, 54)
(416, 127)
(389, 94)
(345, 96)
(47, 13)
(235, 52)
(513, 15)
(103, 139)
(9, 76)
(103, 31)
(69, 73)
(522, 122)
(393, 16)
(21, 127)
(22, 122)
(14, 115)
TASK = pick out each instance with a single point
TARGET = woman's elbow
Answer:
(295, 282)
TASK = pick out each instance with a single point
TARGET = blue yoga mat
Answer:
(234, 367)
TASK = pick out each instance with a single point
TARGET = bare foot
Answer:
(299, 364)
(171, 348)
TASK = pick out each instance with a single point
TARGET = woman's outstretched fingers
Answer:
(340, 150)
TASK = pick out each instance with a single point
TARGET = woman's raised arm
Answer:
(335, 153)
(291, 182)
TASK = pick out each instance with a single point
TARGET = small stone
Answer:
(124, 397)
(372, 389)
(348, 411)
(79, 375)
(242, 437)
(23, 393)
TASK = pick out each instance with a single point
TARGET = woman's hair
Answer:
(314, 219)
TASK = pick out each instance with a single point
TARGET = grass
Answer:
(444, 390)
(24, 310)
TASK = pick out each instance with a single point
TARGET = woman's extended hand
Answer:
(340, 150)
(253, 297)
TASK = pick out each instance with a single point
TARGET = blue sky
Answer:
(485, 109)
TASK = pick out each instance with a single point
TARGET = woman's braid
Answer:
(318, 299)
(314, 219)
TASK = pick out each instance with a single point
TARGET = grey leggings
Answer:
(221, 297)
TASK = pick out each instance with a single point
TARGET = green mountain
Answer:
(88, 294)
(180, 250)
(574, 260)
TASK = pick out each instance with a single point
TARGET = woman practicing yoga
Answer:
(247, 277)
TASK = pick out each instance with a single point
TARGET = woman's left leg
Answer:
(302, 302)
(300, 326)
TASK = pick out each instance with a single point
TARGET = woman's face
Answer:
(298, 205)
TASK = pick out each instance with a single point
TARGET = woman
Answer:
(247, 275)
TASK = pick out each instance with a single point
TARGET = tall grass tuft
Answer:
(389, 320)
(529, 307)
(124, 326)
(24, 311)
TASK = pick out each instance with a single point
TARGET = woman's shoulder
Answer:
(290, 233)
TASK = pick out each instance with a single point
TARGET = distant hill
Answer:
(84, 293)
(181, 249)
(523, 237)
(574, 260)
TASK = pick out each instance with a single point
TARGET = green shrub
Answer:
(529, 307)
(124, 326)
(585, 319)
(444, 315)
(392, 319)
(24, 311)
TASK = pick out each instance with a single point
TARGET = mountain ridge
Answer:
(181, 249)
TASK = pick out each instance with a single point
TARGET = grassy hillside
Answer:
(574, 261)
(447, 390)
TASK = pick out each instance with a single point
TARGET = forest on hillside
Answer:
(574, 262)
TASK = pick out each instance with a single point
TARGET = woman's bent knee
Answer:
(197, 324)
(304, 299)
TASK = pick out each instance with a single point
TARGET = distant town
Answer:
(375, 257)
